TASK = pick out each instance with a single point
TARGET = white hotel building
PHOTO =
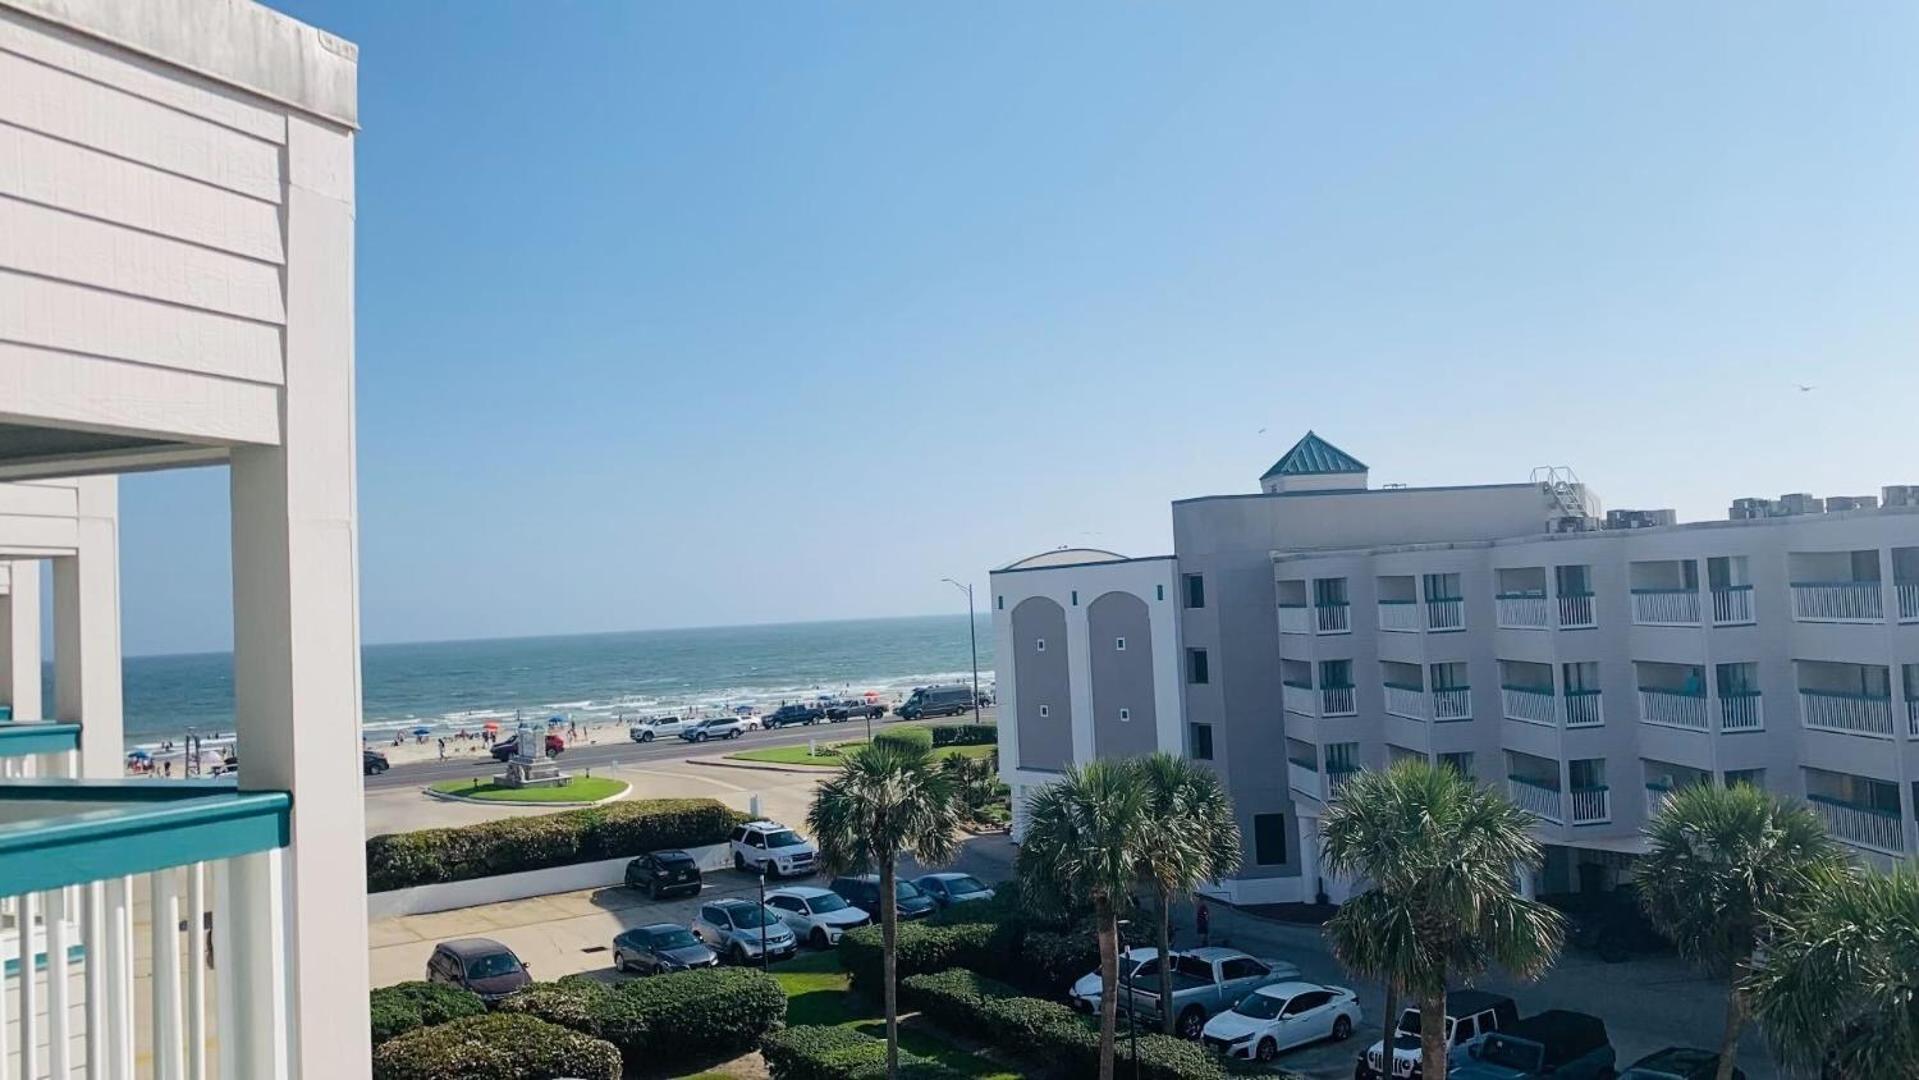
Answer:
(176, 289)
(1322, 626)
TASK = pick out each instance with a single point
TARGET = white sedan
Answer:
(1280, 1017)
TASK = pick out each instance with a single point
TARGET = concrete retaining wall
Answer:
(491, 890)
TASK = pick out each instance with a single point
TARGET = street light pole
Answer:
(762, 916)
(972, 634)
(1132, 1006)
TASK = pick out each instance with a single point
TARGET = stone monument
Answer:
(529, 766)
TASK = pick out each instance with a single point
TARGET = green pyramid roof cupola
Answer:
(1314, 456)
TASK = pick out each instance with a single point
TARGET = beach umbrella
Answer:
(490, 725)
(555, 721)
(422, 730)
(139, 755)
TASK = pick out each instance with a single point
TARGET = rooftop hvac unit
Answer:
(1838, 503)
(1640, 519)
(1899, 495)
(1799, 502)
(1748, 509)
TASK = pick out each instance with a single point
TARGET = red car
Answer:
(555, 746)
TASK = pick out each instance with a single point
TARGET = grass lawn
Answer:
(829, 755)
(818, 993)
(581, 789)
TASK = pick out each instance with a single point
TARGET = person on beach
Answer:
(443, 748)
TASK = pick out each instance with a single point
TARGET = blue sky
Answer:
(694, 314)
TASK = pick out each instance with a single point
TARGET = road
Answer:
(422, 773)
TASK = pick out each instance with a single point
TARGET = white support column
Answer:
(296, 620)
(250, 931)
(226, 1009)
(93, 934)
(20, 653)
(117, 1051)
(59, 989)
(86, 628)
(196, 1035)
(169, 1057)
(29, 996)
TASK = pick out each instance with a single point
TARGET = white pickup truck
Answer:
(1205, 982)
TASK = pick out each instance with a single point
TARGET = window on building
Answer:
(1449, 676)
(1044, 712)
(1001, 601)
(1336, 674)
(1196, 669)
(1443, 587)
(1125, 715)
(1202, 739)
(1041, 644)
(1342, 757)
(1119, 644)
(1329, 592)
(1269, 839)
(1574, 580)
(1075, 597)
(1460, 762)
(1753, 777)
(1195, 590)
(1159, 592)
(1582, 677)
(1586, 774)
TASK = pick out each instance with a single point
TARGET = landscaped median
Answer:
(945, 740)
(578, 790)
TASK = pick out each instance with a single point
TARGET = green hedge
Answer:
(965, 734)
(916, 737)
(921, 948)
(399, 1009)
(665, 1018)
(495, 1047)
(1040, 955)
(840, 1053)
(1048, 1036)
(616, 830)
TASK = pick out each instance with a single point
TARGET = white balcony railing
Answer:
(1453, 703)
(1741, 712)
(1862, 827)
(1446, 614)
(1657, 795)
(1912, 717)
(1858, 714)
(1537, 799)
(1406, 701)
(1400, 615)
(1908, 601)
(1334, 618)
(1839, 601)
(1591, 806)
(1583, 709)
(1576, 611)
(1732, 605)
(1336, 779)
(1533, 706)
(1303, 779)
(1672, 708)
(1523, 611)
(1295, 619)
(1299, 699)
(1337, 701)
(1665, 607)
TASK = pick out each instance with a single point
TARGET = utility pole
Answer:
(972, 634)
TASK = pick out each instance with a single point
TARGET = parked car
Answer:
(936, 701)
(855, 709)
(771, 848)
(718, 727)
(555, 746)
(752, 722)
(1205, 982)
(661, 947)
(735, 928)
(949, 889)
(1469, 1014)
(373, 763)
(1677, 1063)
(818, 916)
(793, 716)
(657, 727)
(863, 892)
(660, 874)
(1280, 1017)
(1085, 992)
(1557, 1043)
(481, 965)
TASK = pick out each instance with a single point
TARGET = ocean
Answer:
(450, 684)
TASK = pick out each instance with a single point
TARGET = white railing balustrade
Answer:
(1591, 806)
(1665, 607)
(1583, 709)
(1576, 611)
(1908, 601)
(1843, 601)
(1537, 800)
(1336, 779)
(1446, 614)
(1741, 712)
(1534, 706)
(1406, 701)
(1864, 828)
(1295, 619)
(1858, 714)
(1400, 615)
(1335, 618)
(1912, 718)
(1455, 703)
(1657, 795)
(1299, 699)
(1732, 605)
(1303, 779)
(1337, 701)
(1523, 611)
(1672, 708)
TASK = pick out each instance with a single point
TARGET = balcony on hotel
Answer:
(1523, 602)
(1844, 586)
(1665, 592)
(1855, 699)
(1402, 609)
(1437, 693)
(1859, 810)
(1533, 784)
(1527, 693)
(1665, 777)
(1332, 697)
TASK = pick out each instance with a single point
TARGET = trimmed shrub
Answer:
(1051, 960)
(907, 736)
(616, 830)
(495, 1047)
(838, 1053)
(921, 948)
(664, 1018)
(399, 1009)
(965, 734)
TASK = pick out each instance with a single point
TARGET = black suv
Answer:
(660, 874)
(373, 763)
(793, 715)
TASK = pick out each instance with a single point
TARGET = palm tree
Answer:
(1191, 839)
(1722, 862)
(1840, 978)
(888, 798)
(1085, 838)
(1438, 854)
